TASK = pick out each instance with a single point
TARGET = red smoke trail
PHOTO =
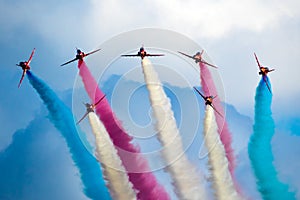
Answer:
(209, 88)
(136, 165)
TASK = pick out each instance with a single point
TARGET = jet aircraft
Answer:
(208, 100)
(80, 55)
(90, 108)
(198, 58)
(264, 71)
(142, 53)
(25, 65)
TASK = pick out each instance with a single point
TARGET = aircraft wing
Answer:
(31, 55)
(23, 74)
(154, 54)
(199, 93)
(92, 52)
(216, 110)
(266, 81)
(100, 100)
(186, 55)
(69, 62)
(82, 117)
(208, 64)
(129, 55)
(259, 66)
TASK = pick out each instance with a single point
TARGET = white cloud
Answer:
(211, 19)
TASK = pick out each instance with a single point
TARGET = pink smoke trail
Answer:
(209, 88)
(144, 182)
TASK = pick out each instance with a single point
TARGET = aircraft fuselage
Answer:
(24, 65)
(89, 107)
(197, 57)
(264, 71)
(142, 54)
(208, 100)
(80, 56)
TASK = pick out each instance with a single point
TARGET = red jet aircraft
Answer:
(142, 53)
(80, 55)
(208, 101)
(264, 71)
(90, 108)
(25, 66)
(198, 58)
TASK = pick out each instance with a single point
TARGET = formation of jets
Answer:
(208, 100)
(25, 65)
(90, 108)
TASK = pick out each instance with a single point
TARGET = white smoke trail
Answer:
(113, 171)
(218, 164)
(186, 179)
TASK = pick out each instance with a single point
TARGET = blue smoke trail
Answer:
(260, 149)
(62, 118)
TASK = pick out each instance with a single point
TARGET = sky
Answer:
(229, 31)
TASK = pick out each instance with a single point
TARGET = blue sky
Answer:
(229, 31)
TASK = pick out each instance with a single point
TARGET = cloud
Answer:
(91, 19)
(37, 165)
(214, 19)
(12, 106)
(286, 151)
(208, 19)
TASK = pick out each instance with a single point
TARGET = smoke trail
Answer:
(209, 88)
(218, 164)
(113, 170)
(144, 182)
(185, 177)
(260, 149)
(62, 118)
